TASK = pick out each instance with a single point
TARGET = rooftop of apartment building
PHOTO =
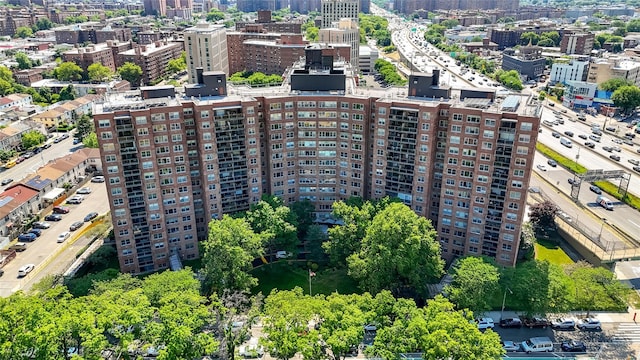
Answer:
(503, 102)
(146, 50)
(619, 63)
(204, 27)
(88, 49)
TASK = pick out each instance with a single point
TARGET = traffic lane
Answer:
(40, 249)
(32, 164)
(620, 216)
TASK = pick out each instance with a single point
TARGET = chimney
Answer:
(485, 41)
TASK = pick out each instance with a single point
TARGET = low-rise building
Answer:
(528, 62)
(603, 69)
(577, 43)
(66, 113)
(15, 101)
(11, 136)
(17, 203)
(28, 76)
(579, 94)
(570, 70)
(367, 59)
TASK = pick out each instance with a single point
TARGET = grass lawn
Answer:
(549, 250)
(286, 275)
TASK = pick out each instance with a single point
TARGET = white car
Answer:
(563, 324)
(617, 141)
(84, 190)
(283, 254)
(589, 324)
(25, 269)
(542, 168)
(510, 346)
(63, 236)
(485, 323)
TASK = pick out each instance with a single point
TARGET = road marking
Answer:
(634, 223)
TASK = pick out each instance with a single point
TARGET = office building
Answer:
(603, 69)
(577, 43)
(572, 70)
(173, 163)
(344, 31)
(333, 11)
(528, 62)
(206, 47)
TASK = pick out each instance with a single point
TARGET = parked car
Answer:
(563, 324)
(76, 199)
(536, 322)
(614, 157)
(90, 216)
(595, 189)
(36, 232)
(589, 324)
(511, 323)
(63, 236)
(97, 179)
(510, 346)
(25, 270)
(84, 191)
(6, 181)
(552, 163)
(542, 167)
(485, 323)
(76, 225)
(27, 237)
(573, 346)
(18, 247)
(283, 254)
(53, 217)
(60, 210)
(634, 162)
(57, 140)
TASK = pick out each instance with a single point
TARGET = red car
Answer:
(60, 210)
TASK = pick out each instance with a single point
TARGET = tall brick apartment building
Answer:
(174, 163)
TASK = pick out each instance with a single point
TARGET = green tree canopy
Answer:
(553, 35)
(529, 37)
(543, 214)
(627, 98)
(68, 93)
(614, 84)
(275, 223)
(177, 65)
(633, 25)
(91, 140)
(24, 32)
(84, 126)
(474, 280)
(227, 255)
(399, 253)
(68, 71)
(23, 61)
(32, 138)
(215, 15)
(130, 72)
(98, 72)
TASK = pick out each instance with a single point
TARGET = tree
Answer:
(356, 216)
(546, 42)
(98, 72)
(130, 72)
(438, 331)
(84, 126)
(633, 25)
(68, 71)
(342, 320)
(597, 288)
(450, 23)
(5, 155)
(23, 61)
(399, 252)
(215, 15)
(233, 313)
(543, 214)
(44, 23)
(627, 98)
(553, 35)
(177, 65)
(68, 93)
(303, 212)
(228, 252)
(32, 138)
(91, 140)
(529, 37)
(614, 84)
(474, 280)
(24, 32)
(274, 222)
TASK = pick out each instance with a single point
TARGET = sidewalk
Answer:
(604, 317)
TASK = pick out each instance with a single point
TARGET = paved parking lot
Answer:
(44, 249)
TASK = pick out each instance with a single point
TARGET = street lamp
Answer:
(604, 221)
(504, 299)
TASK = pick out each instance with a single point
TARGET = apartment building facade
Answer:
(153, 58)
(173, 164)
(573, 70)
(334, 10)
(206, 47)
(344, 31)
(601, 70)
(577, 43)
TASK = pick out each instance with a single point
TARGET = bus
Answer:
(10, 164)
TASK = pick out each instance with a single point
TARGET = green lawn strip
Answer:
(612, 189)
(561, 159)
(549, 250)
(285, 275)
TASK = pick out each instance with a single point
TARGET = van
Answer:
(604, 202)
(595, 138)
(537, 344)
(547, 122)
(566, 142)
